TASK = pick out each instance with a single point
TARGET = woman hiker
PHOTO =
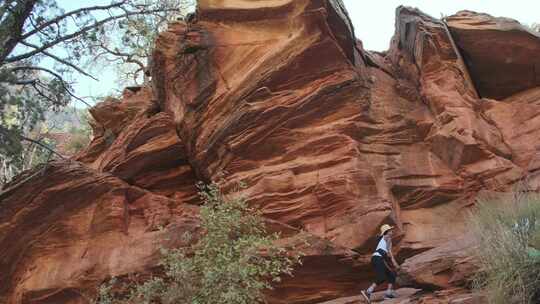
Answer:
(379, 259)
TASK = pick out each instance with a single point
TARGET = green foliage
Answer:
(43, 48)
(21, 109)
(26, 90)
(78, 141)
(233, 262)
(508, 234)
(80, 134)
(66, 132)
(130, 47)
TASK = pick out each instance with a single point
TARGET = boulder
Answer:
(501, 54)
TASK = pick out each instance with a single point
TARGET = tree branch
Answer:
(72, 13)
(20, 82)
(44, 146)
(3, 8)
(36, 86)
(135, 75)
(80, 32)
(129, 57)
(14, 27)
(59, 77)
(35, 25)
(78, 98)
(37, 82)
(22, 68)
(63, 61)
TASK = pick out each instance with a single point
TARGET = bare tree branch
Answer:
(58, 76)
(19, 82)
(136, 73)
(70, 14)
(78, 33)
(60, 60)
(23, 68)
(78, 98)
(44, 146)
(34, 24)
(129, 57)
(37, 86)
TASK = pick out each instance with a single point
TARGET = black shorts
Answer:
(382, 272)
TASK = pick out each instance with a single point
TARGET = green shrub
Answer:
(234, 261)
(507, 229)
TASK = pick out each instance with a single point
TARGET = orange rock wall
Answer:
(328, 137)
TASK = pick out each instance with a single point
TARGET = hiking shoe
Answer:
(367, 295)
(390, 295)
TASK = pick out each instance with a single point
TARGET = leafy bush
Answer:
(508, 234)
(79, 138)
(234, 261)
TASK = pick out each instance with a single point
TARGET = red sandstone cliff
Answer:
(328, 137)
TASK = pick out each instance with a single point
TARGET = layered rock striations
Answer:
(512, 65)
(329, 139)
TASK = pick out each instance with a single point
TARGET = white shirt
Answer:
(382, 245)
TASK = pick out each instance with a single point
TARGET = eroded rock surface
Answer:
(502, 55)
(328, 138)
(448, 265)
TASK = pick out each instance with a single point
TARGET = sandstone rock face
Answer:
(329, 139)
(446, 266)
(69, 227)
(501, 54)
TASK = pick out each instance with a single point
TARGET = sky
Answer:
(106, 76)
(373, 22)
